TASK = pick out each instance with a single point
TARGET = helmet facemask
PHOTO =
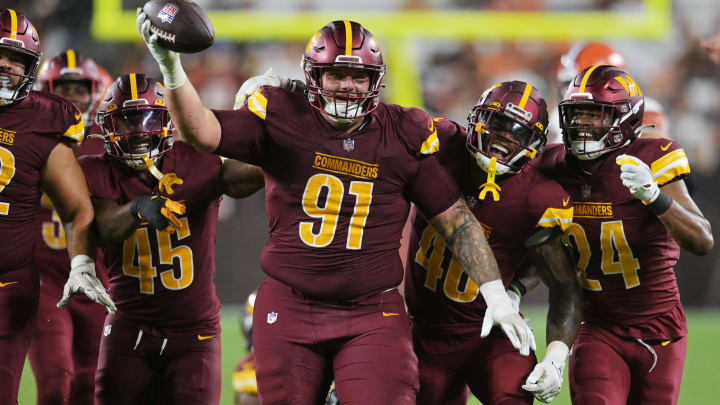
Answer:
(131, 133)
(18, 86)
(343, 106)
(509, 140)
(591, 129)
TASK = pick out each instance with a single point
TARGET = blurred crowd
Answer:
(675, 70)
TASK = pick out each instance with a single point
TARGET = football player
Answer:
(524, 215)
(36, 129)
(64, 349)
(156, 204)
(341, 169)
(632, 213)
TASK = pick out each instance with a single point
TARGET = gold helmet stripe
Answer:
(525, 96)
(348, 37)
(133, 87)
(71, 59)
(312, 41)
(585, 78)
(13, 24)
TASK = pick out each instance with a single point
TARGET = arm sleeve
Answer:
(242, 135)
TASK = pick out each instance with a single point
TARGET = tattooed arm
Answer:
(465, 237)
(555, 267)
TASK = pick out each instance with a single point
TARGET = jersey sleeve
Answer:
(551, 204)
(433, 189)
(667, 160)
(419, 132)
(72, 123)
(61, 119)
(97, 178)
(243, 131)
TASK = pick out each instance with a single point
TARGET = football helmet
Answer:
(247, 319)
(509, 122)
(18, 36)
(135, 121)
(70, 66)
(583, 55)
(601, 111)
(343, 44)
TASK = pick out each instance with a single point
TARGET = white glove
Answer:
(169, 61)
(500, 311)
(252, 84)
(515, 300)
(546, 379)
(636, 176)
(83, 279)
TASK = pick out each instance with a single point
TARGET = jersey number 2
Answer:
(137, 259)
(7, 171)
(613, 244)
(334, 191)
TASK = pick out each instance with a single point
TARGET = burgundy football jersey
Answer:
(156, 278)
(437, 290)
(625, 254)
(29, 131)
(337, 202)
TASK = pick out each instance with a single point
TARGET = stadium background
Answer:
(441, 55)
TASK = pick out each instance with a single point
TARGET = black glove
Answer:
(157, 210)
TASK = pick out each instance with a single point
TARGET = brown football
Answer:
(181, 25)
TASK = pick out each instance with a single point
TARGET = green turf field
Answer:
(697, 380)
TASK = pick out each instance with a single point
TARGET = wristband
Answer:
(661, 204)
(518, 288)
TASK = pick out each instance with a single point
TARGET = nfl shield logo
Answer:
(107, 330)
(272, 317)
(167, 14)
(585, 191)
(348, 145)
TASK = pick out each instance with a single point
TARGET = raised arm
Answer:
(64, 183)
(196, 124)
(465, 237)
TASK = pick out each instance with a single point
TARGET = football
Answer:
(181, 25)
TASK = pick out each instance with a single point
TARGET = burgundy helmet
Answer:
(18, 35)
(70, 66)
(610, 97)
(509, 123)
(343, 44)
(135, 120)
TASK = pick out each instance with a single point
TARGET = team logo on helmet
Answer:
(168, 12)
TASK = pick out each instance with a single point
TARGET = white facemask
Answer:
(484, 163)
(342, 110)
(6, 93)
(588, 150)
